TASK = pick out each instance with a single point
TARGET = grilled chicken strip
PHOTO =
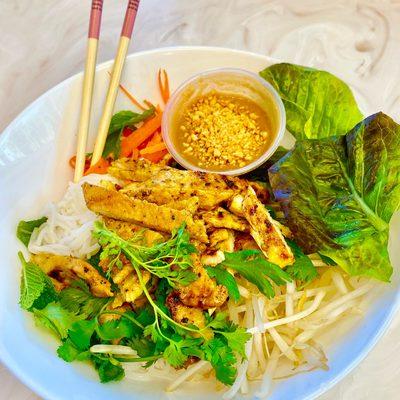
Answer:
(265, 232)
(176, 193)
(212, 257)
(244, 241)
(128, 282)
(236, 205)
(203, 292)
(126, 278)
(136, 170)
(155, 175)
(116, 205)
(64, 269)
(221, 218)
(223, 239)
(127, 230)
(184, 314)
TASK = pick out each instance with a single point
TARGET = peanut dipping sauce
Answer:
(222, 131)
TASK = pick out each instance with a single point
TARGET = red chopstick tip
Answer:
(130, 17)
(95, 19)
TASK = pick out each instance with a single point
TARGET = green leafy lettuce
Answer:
(36, 290)
(25, 229)
(119, 121)
(339, 194)
(317, 103)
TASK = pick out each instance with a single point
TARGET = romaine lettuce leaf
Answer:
(317, 103)
(339, 194)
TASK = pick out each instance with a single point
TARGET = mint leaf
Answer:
(302, 269)
(25, 229)
(223, 277)
(36, 289)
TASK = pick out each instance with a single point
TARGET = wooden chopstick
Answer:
(87, 86)
(118, 66)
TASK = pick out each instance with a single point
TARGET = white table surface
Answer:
(42, 42)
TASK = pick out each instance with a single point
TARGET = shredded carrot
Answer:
(126, 131)
(72, 162)
(101, 167)
(163, 86)
(153, 149)
(130, 96)
(140, 135)
(135, 154)
(156, 138)
(155, 157)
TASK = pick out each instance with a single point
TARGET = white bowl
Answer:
(34, 153)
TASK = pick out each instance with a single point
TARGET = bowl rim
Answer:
(234, 171)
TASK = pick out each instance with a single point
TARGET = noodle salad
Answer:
(151, 271)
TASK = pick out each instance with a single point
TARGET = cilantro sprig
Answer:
(302, 269)
(77, 317)
(223, 277)
(170, 260)
(78, 299)
(254, 267)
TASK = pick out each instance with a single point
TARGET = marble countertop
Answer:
(43, 42)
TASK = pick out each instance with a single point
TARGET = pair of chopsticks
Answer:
(88, 83)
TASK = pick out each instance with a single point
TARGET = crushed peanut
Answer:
(221, 133)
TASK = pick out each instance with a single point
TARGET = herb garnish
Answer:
(26, 228)
(119, 121)
(254, 267)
